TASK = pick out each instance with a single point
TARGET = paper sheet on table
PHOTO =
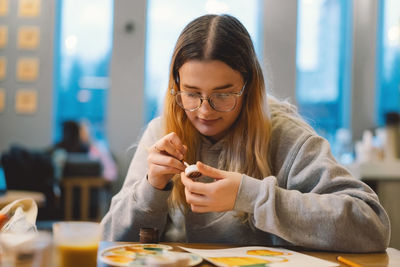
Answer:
(258, 256)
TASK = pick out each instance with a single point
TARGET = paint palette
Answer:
(140, 254)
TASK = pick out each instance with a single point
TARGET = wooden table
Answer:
(12, 195)
(391, 258)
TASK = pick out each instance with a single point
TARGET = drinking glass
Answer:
(76, 243)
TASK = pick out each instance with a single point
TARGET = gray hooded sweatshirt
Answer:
(309, 200)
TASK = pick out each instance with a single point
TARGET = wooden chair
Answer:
(84, 183)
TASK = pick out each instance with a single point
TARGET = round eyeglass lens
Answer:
(223, 102)
(188, 101)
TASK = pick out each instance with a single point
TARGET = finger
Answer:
(194, 187)
(165, 147)
(166, 161)
(162, 170)
(170, 145)
(185, 147)
(198, 203)
(210, 171)
(195, 199)
(177, 143)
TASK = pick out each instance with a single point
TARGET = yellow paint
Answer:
(238, 261)
(265, 252)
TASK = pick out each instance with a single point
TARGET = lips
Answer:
(208, 121)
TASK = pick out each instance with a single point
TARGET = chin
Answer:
(207, 132)
(211, 133)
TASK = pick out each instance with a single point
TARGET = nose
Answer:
(205, 106)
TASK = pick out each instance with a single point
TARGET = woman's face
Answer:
(206, 78)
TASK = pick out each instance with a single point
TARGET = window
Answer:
(388, 59)
(324, 64)
(82, 56)
(165, 21)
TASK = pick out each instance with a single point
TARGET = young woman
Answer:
(268, 178)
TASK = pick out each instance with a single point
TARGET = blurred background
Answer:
(103, 65)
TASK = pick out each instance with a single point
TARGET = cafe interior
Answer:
(93, 70)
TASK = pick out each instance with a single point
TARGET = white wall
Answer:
(280, 27)
(365, 15)
(30, 130)
(125, 106)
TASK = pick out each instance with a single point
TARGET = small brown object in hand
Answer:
(148, 235)
(191, 171)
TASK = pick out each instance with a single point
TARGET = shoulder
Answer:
(285, 120)
(156, 124)
(289, 132)
(154, 129)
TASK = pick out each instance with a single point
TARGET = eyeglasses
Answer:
(222, 102)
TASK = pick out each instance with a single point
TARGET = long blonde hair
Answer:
(223, 38)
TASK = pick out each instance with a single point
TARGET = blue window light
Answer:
(388, 59)
(324, 64)
(83, 44)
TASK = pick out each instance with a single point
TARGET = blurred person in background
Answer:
(77, 138)
(99, 150)
(71, 141)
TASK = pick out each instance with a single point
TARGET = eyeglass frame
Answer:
(238, 94)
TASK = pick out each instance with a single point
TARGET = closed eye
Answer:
(191, 94)
(221, 95)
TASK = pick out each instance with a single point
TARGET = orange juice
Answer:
(74, 256)
(76, 243)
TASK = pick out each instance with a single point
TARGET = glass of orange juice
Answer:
(76, 243)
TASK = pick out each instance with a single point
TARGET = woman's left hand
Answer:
(217, 196)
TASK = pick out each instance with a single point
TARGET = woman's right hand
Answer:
(165, 160)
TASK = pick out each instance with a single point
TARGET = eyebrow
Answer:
(215, 88)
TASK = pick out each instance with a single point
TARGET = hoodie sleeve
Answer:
(312, 201)
(138, 204)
